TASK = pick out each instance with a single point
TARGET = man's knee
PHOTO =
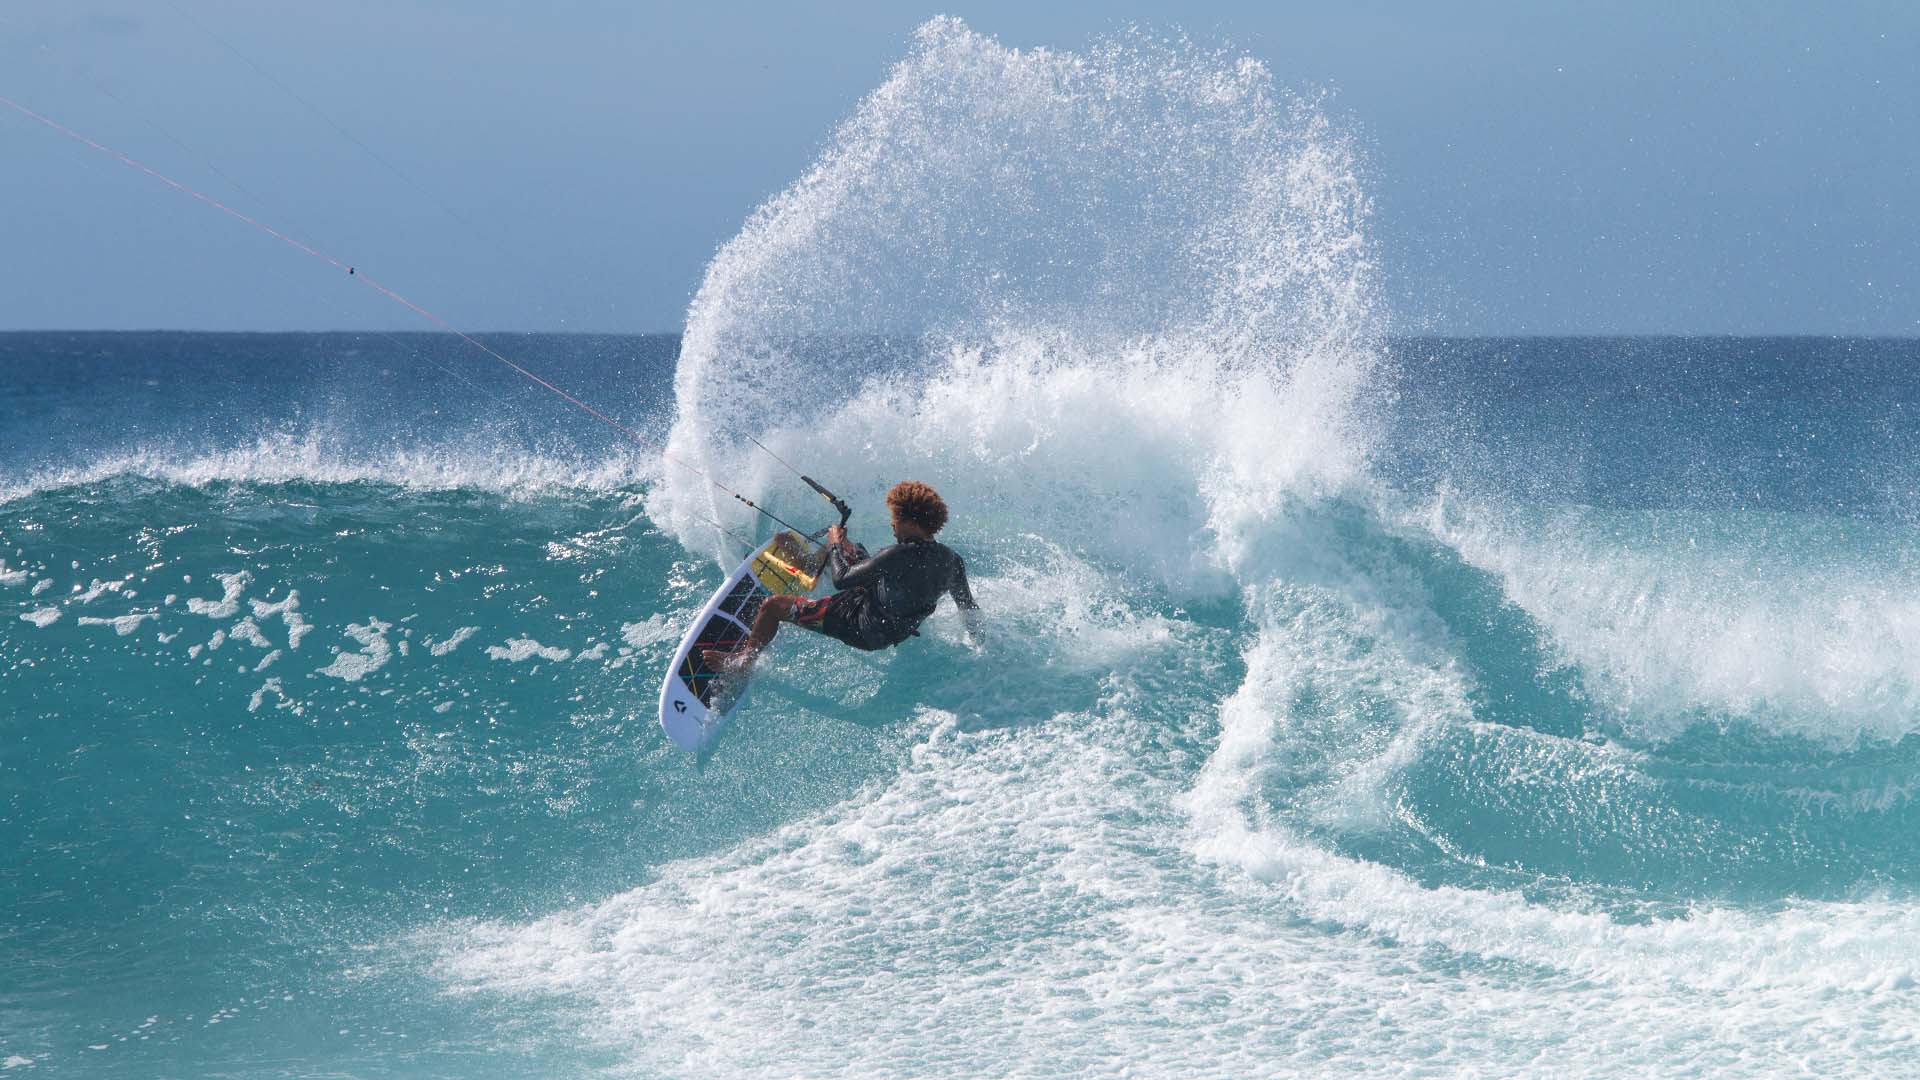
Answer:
(780, 607)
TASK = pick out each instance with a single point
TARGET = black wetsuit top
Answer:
(883, 597)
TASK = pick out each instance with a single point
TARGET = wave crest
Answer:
(1147, 214)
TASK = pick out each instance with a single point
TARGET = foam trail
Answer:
(919, 929)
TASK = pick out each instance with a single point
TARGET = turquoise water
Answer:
(1352, 702)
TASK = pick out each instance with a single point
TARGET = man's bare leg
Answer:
(739, 660)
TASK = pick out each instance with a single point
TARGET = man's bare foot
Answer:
(728, 661)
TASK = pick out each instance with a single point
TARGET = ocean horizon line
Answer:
(1572, 335)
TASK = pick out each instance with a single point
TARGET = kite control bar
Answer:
(838, 503)
(819, 558)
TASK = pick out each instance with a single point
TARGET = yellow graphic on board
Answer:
(778, 568)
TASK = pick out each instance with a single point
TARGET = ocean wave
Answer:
(333, 458)
(1800, 624)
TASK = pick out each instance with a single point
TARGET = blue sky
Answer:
(572, 165)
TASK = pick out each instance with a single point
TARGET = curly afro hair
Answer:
(913, 501)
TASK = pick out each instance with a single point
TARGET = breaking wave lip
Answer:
(1145, 211)
(1665, 628)
(282, 459)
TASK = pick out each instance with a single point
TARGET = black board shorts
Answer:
(847, 617)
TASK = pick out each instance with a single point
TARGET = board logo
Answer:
(679, 705)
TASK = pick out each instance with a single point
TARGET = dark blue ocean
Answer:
(1352, 703)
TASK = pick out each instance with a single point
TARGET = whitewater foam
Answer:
(1148, 227)
(374, 652)
(96, 590)
(1861, 947)
(249, 631)
(978, 910)
(231, 586)
(323, 456)
(452, 641)
(41, 617)
(517, 650)
(122, 624)
(1743, 614)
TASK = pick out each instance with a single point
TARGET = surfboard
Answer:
(695, 700)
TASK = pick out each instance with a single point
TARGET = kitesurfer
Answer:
(880, 599)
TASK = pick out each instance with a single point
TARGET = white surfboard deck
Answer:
(694, 699)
